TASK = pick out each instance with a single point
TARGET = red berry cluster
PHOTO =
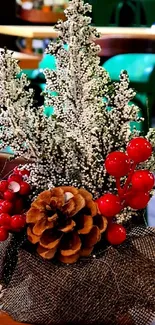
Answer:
(134, 193)
(13, 193)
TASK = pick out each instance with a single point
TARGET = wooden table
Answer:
(27, 61)
(49, 32)
(40, 32)
(7, 320)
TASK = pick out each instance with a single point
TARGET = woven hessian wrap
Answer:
(117, 287)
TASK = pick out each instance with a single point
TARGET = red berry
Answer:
(142, 180)
(117, 164)
(3, 234)
(18, 206)
(15, 178)
(24, 188)
(5, 207)
(5, 220)
(17, 222)
(14, 186)
(3, 186)
(9, 195)
(139, 149)
(16, 170)
(109, 205)
(138, 200)
(22, 172)
(116, 234)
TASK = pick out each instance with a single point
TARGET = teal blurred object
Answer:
(48, 110)
(141, 70)
(7, 150)
(48, 61)
(37, 77)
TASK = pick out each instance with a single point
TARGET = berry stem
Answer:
(118, 186)
(129, 178)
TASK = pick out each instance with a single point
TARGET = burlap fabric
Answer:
(117, 287)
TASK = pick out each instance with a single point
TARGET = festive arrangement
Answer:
(78, 148)
(65, 221)
(85, 175)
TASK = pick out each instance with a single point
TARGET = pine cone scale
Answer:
(84, 224)
(46, 253)
(39, 204)
(86, 195)
(79, 203)
(50, 240)
(34, 215)
(69, 208)
(92, 207)
(31, 237)
(92, 238)
(68, 227)
(69, 259)
(86, 251)
(101, 222)
(45, 196)
(52, 218)
(71, 245)
(41, 226)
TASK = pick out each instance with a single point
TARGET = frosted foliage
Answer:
(90, 129)
(15, 105)
(24, 128)
(91, 114)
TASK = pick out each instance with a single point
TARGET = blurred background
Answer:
(127, 42)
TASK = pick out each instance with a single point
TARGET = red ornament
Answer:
(109, 205)
(138, 201)
(3, 186)
(24, 188)
(3, 234)
(5, 207)
(117, 164)
(139, 149)
(5, 220)
(116, 234)
(9, 195)
(17, 222)
(22, 172)
(142, 180)
(15, 178)
(18, 206)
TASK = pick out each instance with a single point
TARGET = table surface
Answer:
(7, 320)
(49, 32)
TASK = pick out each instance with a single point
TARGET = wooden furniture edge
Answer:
(39, 16)
(50, 32)
(5, 319)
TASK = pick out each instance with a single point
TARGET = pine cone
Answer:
(64, 221)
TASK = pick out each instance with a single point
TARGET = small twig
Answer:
(5, 163)
(118, 186)
(129, 177)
